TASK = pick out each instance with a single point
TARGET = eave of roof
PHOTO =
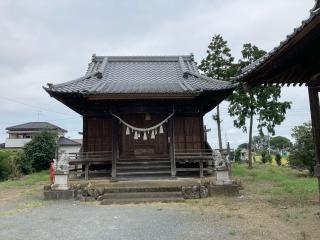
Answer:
(260, 63)
(32, 126)
(63, 141)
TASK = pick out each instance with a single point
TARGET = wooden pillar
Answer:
(315, 120)
(115, 147)
(86, 171)
(171, 149)
(202, 150)
(84, 133)
(85, 147)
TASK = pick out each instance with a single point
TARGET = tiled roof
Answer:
(141, 74)
(32, 126)
(63, 141)
(257, 64)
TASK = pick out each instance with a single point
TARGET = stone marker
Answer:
(60, 190)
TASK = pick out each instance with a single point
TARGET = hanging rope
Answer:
(143, 129)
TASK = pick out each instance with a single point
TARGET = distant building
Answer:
(67, 145)
(21, 134)
(244, 154)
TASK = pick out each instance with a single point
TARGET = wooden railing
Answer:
(89, 158)
(196, 158)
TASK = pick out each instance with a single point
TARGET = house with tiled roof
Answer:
(67, 145)
(143, 115)
(21, 134)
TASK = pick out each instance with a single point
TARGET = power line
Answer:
(28, 105)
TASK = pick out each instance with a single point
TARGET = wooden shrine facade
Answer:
(124, 99)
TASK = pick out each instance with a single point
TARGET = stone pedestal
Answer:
(60, 180)
(222, 176)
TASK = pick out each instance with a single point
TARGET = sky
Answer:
(53, 41)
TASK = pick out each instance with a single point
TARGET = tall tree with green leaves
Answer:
(261, 101)
(302, 154)
(217, 65)
(41, 150)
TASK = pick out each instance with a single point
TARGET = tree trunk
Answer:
(250, 142)
(219, 128)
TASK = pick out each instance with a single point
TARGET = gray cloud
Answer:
(52, 41)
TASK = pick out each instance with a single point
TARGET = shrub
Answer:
(302, 155)
(25, 164)
(4, 168)
(266, 157)
(237, 155)
(41, 150)
(269, 158)
(278, 159)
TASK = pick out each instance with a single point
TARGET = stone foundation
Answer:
(86, 191)
(59, 194)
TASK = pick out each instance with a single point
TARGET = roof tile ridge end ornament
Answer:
(183, 67)
(100, 85)
(316, 8)
(183, 84)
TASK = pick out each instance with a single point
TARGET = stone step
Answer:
(139, 200)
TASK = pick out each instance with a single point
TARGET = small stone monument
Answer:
(61, 173)
(60, 190)
(221, 169)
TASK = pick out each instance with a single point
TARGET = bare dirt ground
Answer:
(244, 217)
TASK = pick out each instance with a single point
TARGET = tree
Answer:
(218, 65)
(261, 142)
(280, 143)
(262, 101)
(243, 145)
(302, 154)
(41, 150)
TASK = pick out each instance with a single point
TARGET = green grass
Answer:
(28, 180)
(277, 182)
(284, 160)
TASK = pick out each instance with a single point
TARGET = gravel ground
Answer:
(73, 220)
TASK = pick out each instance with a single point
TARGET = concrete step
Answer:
(142, 189)
(140, 195)
(139, 200)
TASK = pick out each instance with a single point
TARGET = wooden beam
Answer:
(115, 147)
(172, 150)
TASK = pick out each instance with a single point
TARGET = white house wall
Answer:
(69, 149)
(16, 143)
